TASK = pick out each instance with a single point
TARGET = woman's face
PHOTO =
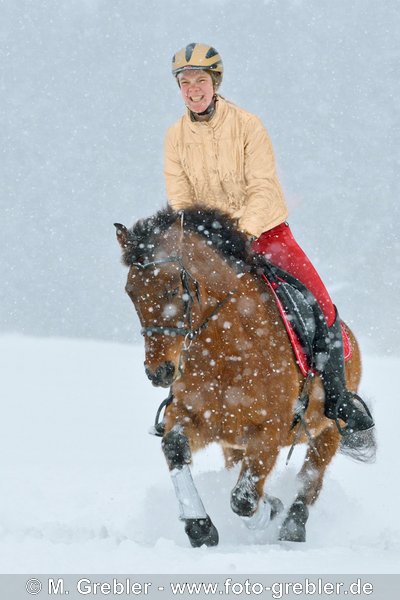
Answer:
(197, 89)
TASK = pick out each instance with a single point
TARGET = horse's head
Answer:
(166, 254)
(163, 293)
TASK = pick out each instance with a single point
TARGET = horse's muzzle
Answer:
(163, 376)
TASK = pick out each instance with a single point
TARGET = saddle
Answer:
(303, 318)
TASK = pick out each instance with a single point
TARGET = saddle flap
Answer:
(303, 319)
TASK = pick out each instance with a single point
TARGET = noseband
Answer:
(188, 333)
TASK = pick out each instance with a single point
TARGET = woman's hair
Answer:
(216, 78)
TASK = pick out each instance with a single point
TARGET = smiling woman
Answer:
(198, 69)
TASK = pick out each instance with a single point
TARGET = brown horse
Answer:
(213, 333)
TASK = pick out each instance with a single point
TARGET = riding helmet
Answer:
(198, 57)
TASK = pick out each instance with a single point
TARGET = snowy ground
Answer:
(84, 488)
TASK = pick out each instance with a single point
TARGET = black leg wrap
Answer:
(176, 449)
(201, 532)
(293, 528)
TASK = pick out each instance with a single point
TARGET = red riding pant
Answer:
(281, 249)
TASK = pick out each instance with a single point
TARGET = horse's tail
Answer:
(360, 446)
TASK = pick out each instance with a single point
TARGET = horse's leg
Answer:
(198, 524)
(310, 478)
(249, 490)
(232, 456)
(268, 507)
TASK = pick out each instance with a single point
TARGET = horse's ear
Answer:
(122, 235)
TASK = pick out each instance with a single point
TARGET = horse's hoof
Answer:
(244, 501)
(293, 528)
(201, 532)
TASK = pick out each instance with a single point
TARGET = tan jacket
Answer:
(226, 163)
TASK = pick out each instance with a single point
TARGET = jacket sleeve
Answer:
(265, 207)
(180, 193)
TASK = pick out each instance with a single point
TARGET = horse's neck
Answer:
(212, 270)
(220, 281)
(218, 278)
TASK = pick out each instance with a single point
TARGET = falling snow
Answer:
(86, 489)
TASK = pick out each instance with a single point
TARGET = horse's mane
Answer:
(217, 227)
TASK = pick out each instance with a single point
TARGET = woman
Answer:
(220, 156)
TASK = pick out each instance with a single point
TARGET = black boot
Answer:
(342, 404)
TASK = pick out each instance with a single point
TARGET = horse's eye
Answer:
(171, 293)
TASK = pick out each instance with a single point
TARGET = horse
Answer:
(213, 334)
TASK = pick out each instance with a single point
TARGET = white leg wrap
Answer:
(190, 504)
(261, 517)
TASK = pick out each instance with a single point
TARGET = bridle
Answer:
(188, 333)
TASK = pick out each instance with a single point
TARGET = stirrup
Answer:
(358, 444)
(355, 423)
